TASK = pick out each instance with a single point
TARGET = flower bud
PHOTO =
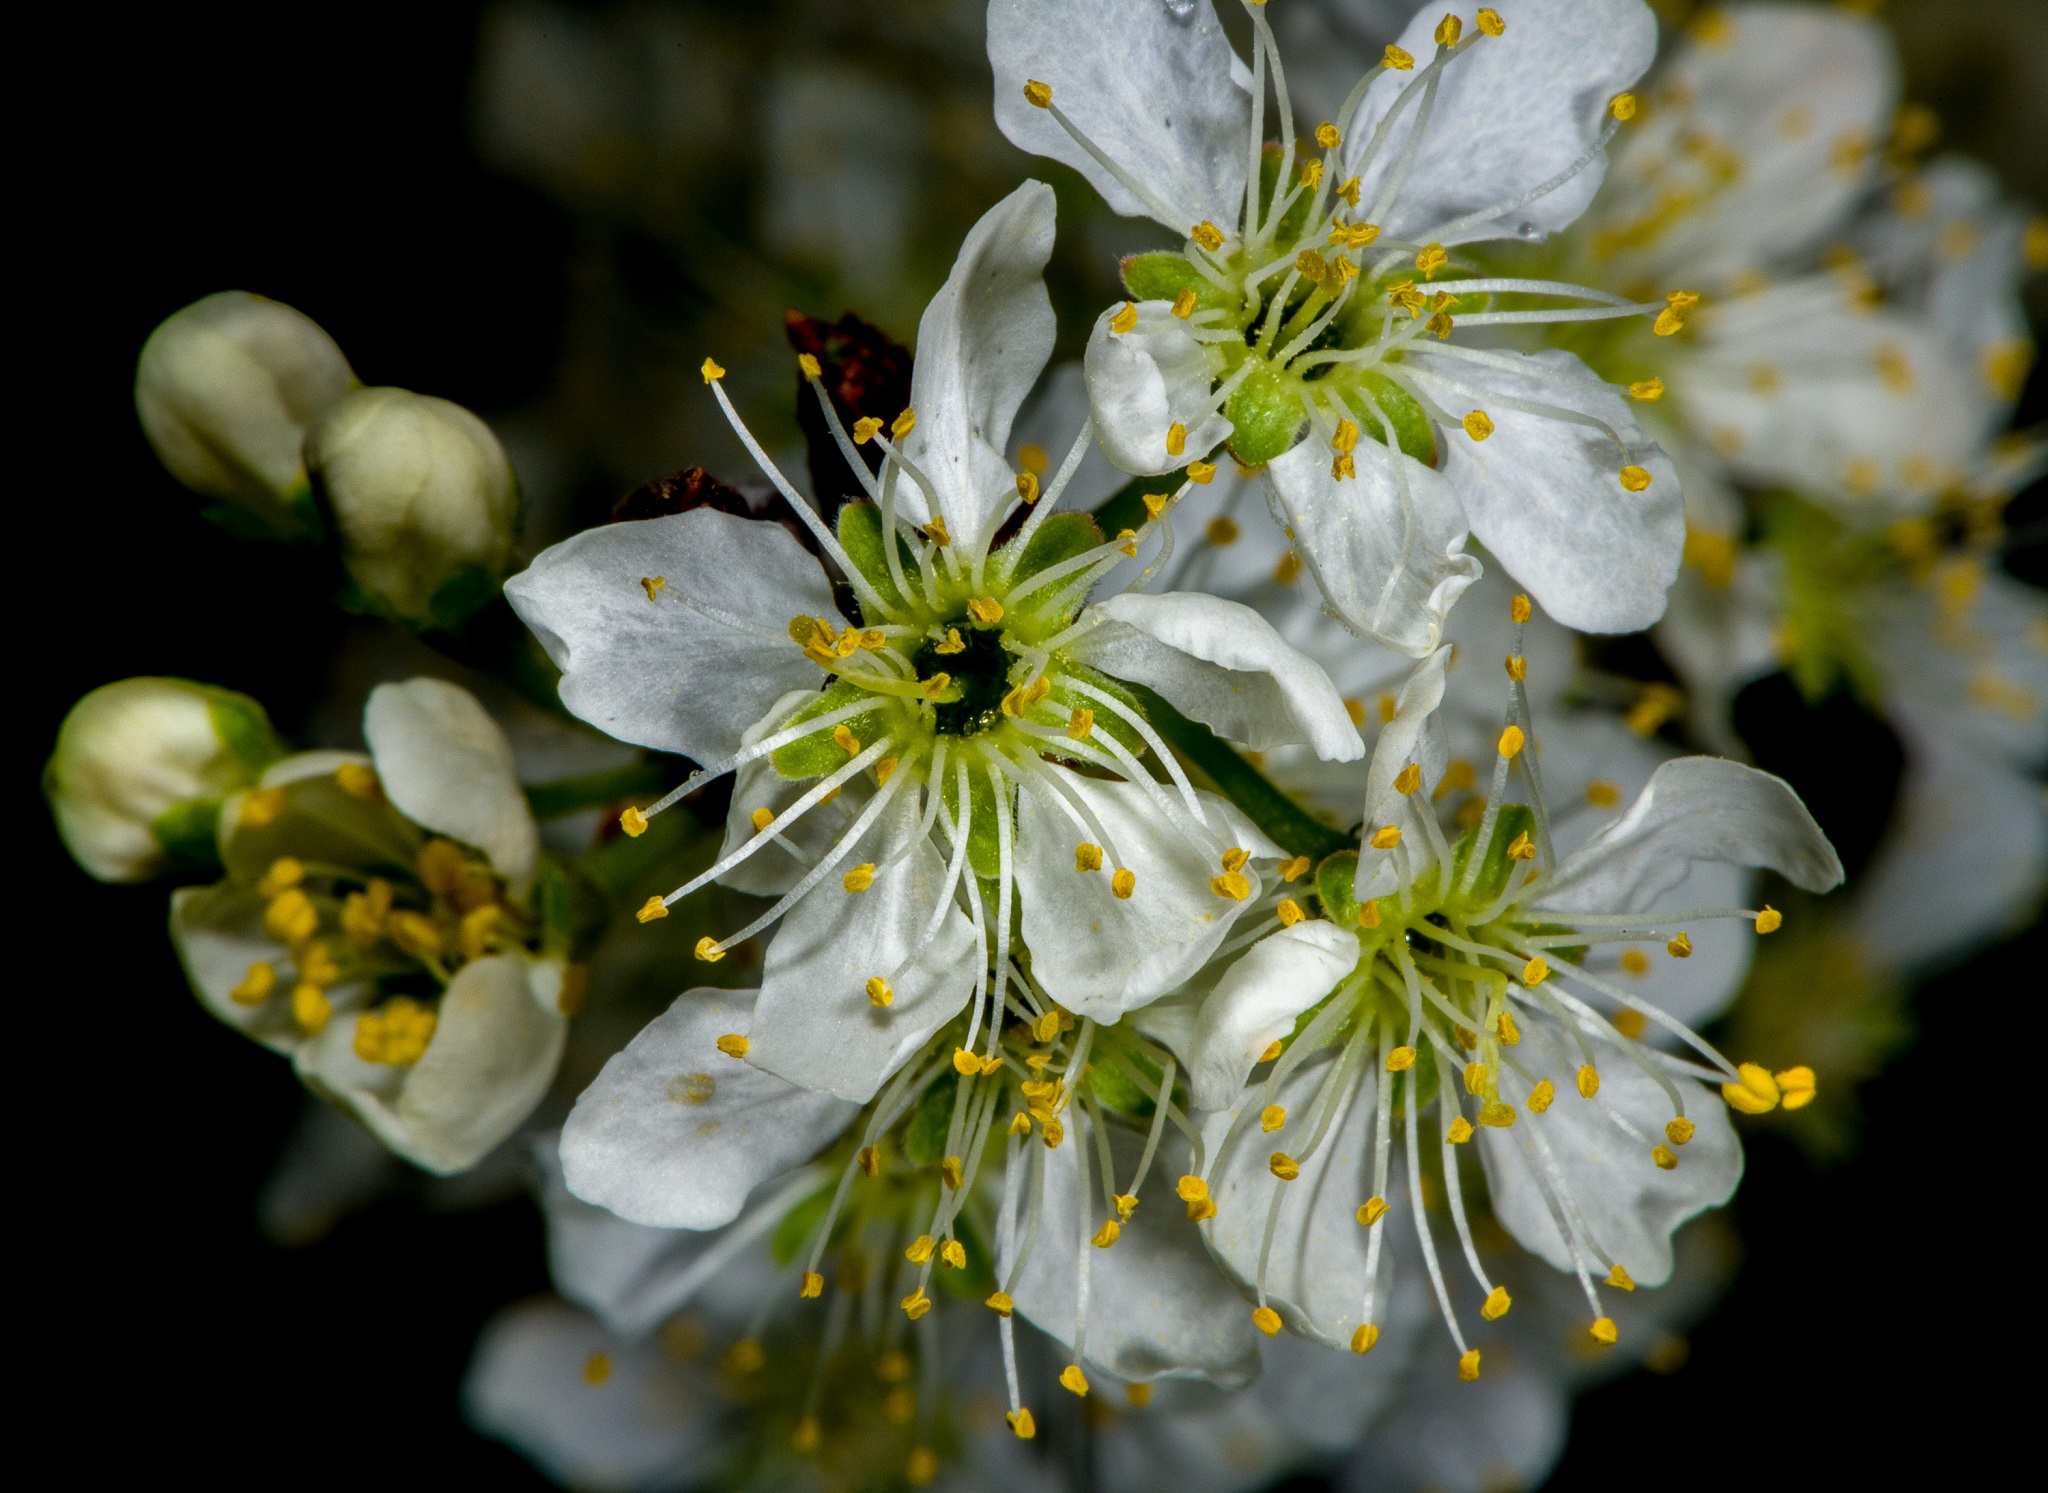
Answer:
(425, 502)
(140, 770)
(226, 389)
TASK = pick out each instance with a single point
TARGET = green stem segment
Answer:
(1284, 821)
(595, 789)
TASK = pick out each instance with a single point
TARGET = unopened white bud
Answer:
(141, 767)
(425, 502)
(227, 388)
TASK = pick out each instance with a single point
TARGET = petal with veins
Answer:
(1143, 382)
(1255, 1003)
(447, 767)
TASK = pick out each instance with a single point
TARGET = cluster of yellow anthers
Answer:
(466, 918)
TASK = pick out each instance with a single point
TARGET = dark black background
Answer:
(1880, 1315)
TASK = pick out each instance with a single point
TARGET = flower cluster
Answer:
(1256, 965)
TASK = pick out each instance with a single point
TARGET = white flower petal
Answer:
(815, 1025)
(1694, 809)
(1513, 112)
(1628, 1203)
(1143, 382)
(982, 343)
(1255, 1003)
(493, 1055)
(1102, 956)
(218, 933)
(1387, 547)
(1221, 663)
(1963, 863)
(447, 767)
(1448, 1436)
(1545, 495)
(676, 1135)
(1799, 97)
(651, 1423)
(772, 871)
(1158, 1307)
(660, 673)
(1150, 84)
(1964, 657)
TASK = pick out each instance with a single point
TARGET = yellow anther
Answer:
(1027, 487)
(937, 533)
(1496, 1116)
(869, 1159)
(1665, 1157)
(1448, 30)
(1192, 1189)
(1521, 848)
(1386, 837)
(1312, 267)
(846, 741)
(359, 782)
(1460, 1131)
(1770, 920)
(1505, 1029)
(1201, 1209)
(920, 1249)
(1176, 441)
(1647, 390)
(1796, 1086)
(1125, 319)
(1541, 1096)
(1155, 502)
(1490, 22)
(1107, 1234)
(1603, 795)
(1408, 779)
(1046, 1027)
(1184, 303)
(1020, 1420)
(1511, 741)
(1431, 259)
(711, 371)
(1401, 1059)
(1349, 193)
(1295, 869)
(916, 1304)
(986, 610)
(263, 808)
(953, 1254)
(1535, 972)
(1289, 912)
(1232, 884)
(1475, 1078)
(884, 770)
(922, 1467)
(1208, 235)
(1123, 884)
(1000, 1303)
(1517, 667)
(808, 366)
(808, 632)
(1327, 136)
(1311, 174)
(1267, 1321)
(1272, 1117)
(1038, 95)
(1201, 473)
(1236, 858)
(1363, 1339)
(1397, 59)
(1343, 466)
(1634, 962)
(1283, 1166)
(285, 872)
(1287, 570)
(904, 423)
(634, 823)
(257, 986)
(1072, 1379)
(879, 993)
(865, 429)
(1635, 479)
(1497, 1303)
(365, 914)
(654, 908)
(1468, 1366)
(311, 1008)
(733, 1045)
(417, 934)
(1087, 857)
(965, 1063)
(1623, 107)
(813, 1286)
(951, 643)
(1589, 1082)
(597, 1369)
(745, 1357)
(860, 878)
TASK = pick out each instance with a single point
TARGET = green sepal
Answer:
(924, 1138)
(1513, 820)
(1059, 539)
(815, 755)
(1163, 276)
(984, 848)
(1115, 1089)
(1266, 416)
(244, 729)
(1125, 508)
(190, 835)
(860, 534)
(793, 1232)
(1336, 880)
(1413, 431)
